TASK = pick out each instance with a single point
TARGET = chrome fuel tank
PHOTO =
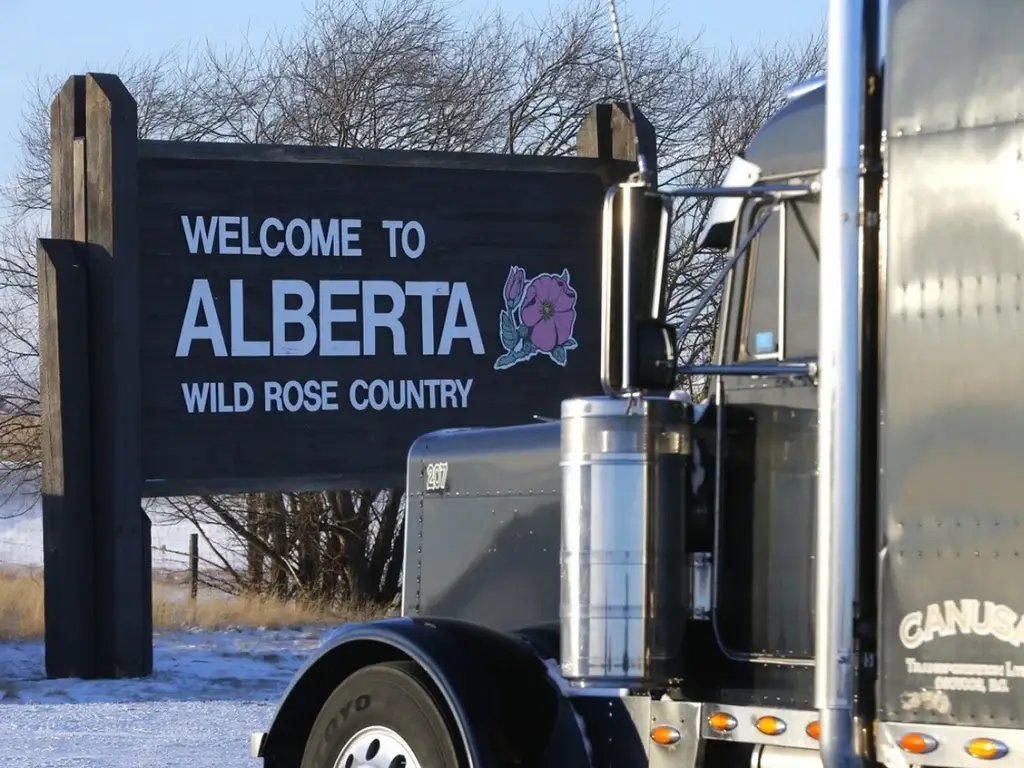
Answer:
(624, 468)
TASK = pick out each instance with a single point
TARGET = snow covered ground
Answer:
(209, 691)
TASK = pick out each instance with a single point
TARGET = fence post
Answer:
(193, 567)
(68, 552)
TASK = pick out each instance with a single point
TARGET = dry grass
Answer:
(22, 617)
(19, 438)
(21, 604)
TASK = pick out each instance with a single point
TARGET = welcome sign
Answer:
(308, 320)
(220, 318)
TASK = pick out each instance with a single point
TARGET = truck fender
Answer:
(505, 707)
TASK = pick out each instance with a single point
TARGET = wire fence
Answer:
(15, 552)
(21, 546)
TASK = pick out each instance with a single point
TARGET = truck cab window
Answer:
(760, 320)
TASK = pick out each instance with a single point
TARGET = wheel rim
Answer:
(377, 747)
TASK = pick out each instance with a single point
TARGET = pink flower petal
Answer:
(545, 335)
(531, 311)
(563, 323)
(547, 288)
(565, 300)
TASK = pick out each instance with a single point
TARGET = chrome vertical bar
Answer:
(658, 299)
(783, 210)
(607, 256)
(627, 294)
(838, 402)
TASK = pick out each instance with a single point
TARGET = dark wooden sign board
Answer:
(307, 314)
(225, 318)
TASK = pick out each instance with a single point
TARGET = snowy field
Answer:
(209, 691)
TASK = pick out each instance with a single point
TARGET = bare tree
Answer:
(19, 368)
(319, 547)
(401, 74)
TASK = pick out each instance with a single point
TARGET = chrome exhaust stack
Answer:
(838, 386)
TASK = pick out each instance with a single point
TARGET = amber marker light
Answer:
(814, 730)
(986, 749)
(918, 743)
(770, 725)
(722, 722)
(665, 735)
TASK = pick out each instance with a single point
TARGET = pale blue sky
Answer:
(64, 37)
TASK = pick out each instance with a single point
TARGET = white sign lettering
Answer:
(214, 397)
(295, 396)
(380, 305)
(316, 395)
(411, 234)
(964, 617)
(381, 395)
(230, 236)
(961, 676)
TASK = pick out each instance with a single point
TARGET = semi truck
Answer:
(821, 562)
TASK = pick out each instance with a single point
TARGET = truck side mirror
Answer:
(637, 345)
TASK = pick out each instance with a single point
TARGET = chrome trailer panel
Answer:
(745, 731)
(619, 729)
(951, 637)
(951, 742)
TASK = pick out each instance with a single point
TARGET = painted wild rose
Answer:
(549, 309)
(539, 318)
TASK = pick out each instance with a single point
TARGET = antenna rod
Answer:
(641, 161)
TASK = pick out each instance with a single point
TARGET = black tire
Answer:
(396, 695)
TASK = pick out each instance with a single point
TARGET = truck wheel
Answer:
(383, 716)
